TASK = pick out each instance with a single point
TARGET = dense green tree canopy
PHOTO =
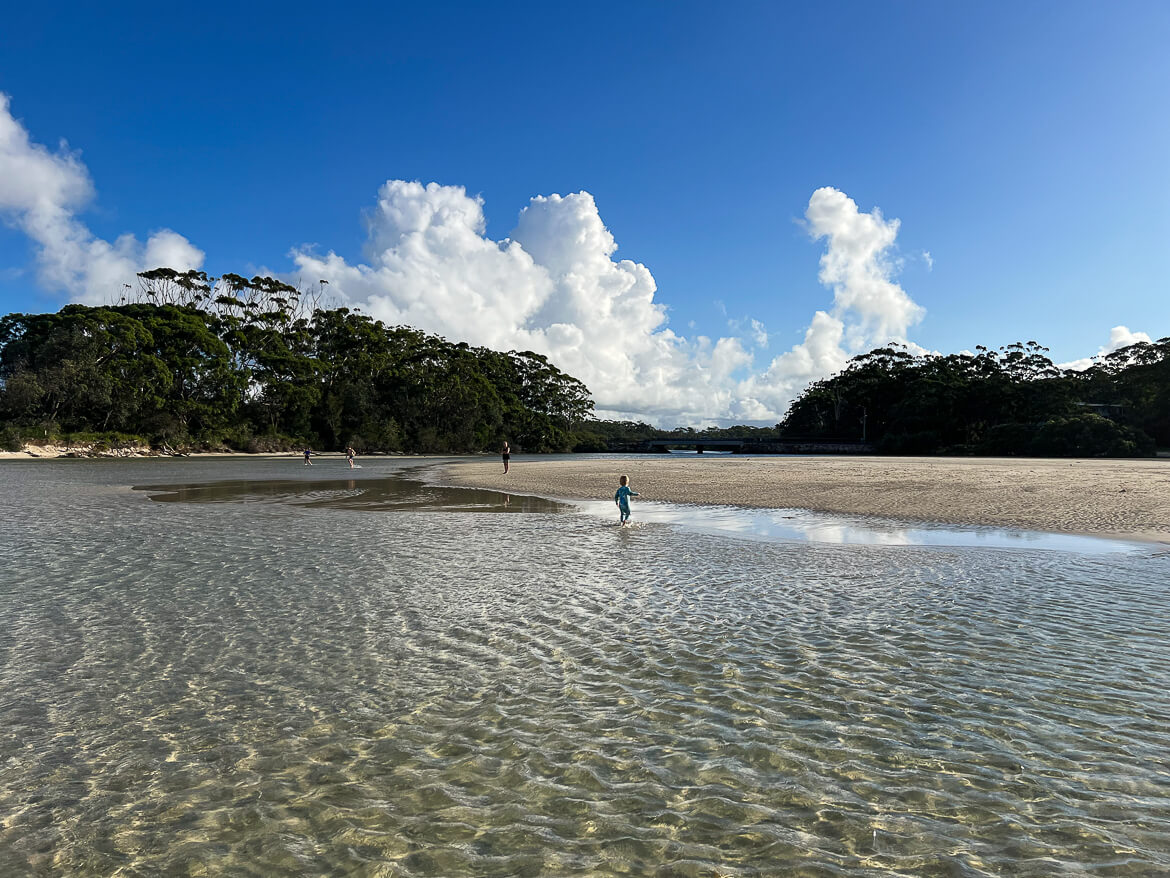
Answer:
(1010, 401)
(257, 364)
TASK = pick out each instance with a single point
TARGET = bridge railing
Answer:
(785, 445)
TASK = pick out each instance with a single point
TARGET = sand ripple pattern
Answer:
(271, 689)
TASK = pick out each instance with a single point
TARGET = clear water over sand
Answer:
(304, 676)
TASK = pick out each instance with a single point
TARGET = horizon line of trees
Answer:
(1013, 400)
(256, 364)
(1010, 401)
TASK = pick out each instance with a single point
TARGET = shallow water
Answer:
(306, 676)
(801, 524)
(415, 488)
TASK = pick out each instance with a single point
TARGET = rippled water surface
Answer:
(295, 671)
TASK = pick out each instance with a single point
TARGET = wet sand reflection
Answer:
(383, 493)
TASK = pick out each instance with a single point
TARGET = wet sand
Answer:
(1122, 498)
(54, 452)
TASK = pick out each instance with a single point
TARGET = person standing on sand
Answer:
(349, 453)
(622, 498)
(506, 453)
(308, 454)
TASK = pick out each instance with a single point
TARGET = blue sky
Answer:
(1022, 146)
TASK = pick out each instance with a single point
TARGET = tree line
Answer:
(256, 364)
(1010, 401)
(610, 435)
(1013, 400)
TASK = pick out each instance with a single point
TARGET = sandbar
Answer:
(1119, 498)
(56, 452)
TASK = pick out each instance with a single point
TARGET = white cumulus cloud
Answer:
(42, 191)
(555, 286)
(1119, 337)
(869, 308)
(759, 333)
(857, 265)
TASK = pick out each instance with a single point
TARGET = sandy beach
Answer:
(1123, 498)
(55, 452)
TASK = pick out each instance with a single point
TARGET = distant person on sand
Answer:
(308, 454)
(506, 453)
(349, 453)
(622, 498)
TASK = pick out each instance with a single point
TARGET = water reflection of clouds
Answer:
(824, 532)
(804, 526)
(382, 492)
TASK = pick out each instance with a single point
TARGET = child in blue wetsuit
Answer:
(622, 498)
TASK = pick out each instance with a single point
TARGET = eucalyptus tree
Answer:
(212, 359)
(1004, 401)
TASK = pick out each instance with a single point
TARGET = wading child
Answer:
(622, 498)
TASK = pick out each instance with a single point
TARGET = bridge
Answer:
(663, 446)
(788, 445)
